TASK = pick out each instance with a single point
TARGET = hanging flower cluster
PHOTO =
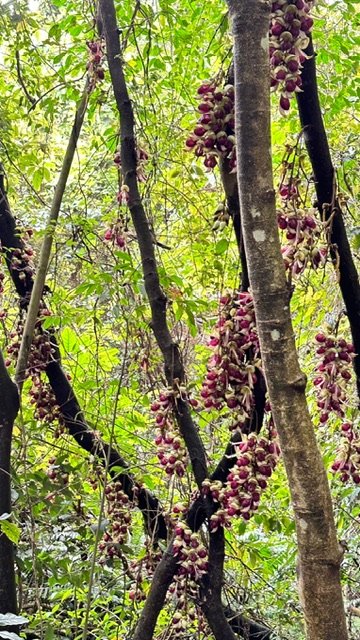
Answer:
(232, 368)
(256, 458)
(142, 157)
(190, 551)
(2, 278)
(184, 593)
(96, 57)
(22, 262)
(331, 381)
(142, 569)
(116, 234)
(41, 348)
(333, 372)
(305, 235)
(347, 462)
(213, 136)
(118, 513)
(46, 407)
(171, 451)
(56, 473)
(290, 26)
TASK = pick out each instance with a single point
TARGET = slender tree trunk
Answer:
(319, 153)
(44, 258)
(9, 406)
(319, 554)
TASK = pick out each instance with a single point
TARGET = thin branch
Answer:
(21, 80)
(38, 287)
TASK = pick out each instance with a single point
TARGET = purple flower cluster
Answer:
(302, 230)
(347, 461)
(41, 349)
(290, 26)
(118, 512)
(96, 57)
(213, 137)
(190, 551)
(22, 260)
(170, 448)
(331, 381)
(333, 372)
(256, 458)
(46, 407)
(231, 373)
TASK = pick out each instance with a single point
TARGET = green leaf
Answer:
(11, 530)
(221, 246)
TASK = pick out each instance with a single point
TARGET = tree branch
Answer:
(212, 587)
(319, 153)
(9, 407)
(174, 369)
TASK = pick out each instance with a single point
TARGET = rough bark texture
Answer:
(212, 588)
(319, 552)
(9, 406)
(324, 175)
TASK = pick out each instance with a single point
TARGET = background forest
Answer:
(84, 566)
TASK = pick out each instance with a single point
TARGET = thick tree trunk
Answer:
(9, 406)
(318, 548)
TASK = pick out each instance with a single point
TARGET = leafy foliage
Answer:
(100, 314)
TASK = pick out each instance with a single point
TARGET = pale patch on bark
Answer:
(275, 335)
(259, 235)
(302, 524)
(255, 212)
(264, 43)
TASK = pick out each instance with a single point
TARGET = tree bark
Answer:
(9, 407)
(212, 589)
(319, 153)
(319, 554)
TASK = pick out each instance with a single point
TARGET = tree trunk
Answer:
(319, 552)
(9, 406)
